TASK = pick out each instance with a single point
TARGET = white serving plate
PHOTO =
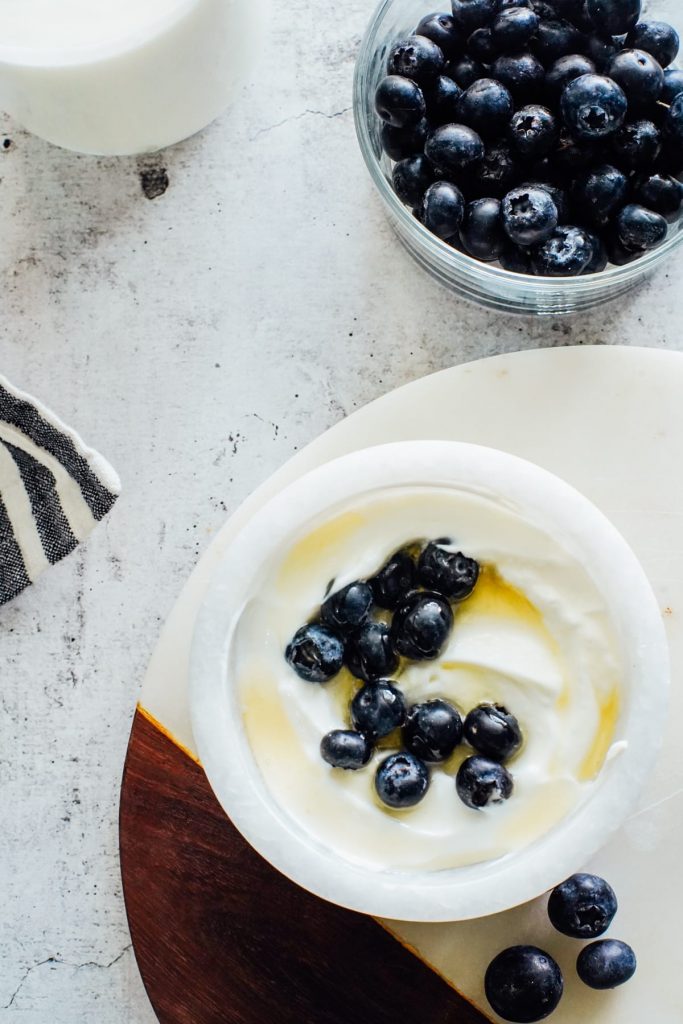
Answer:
(610, 422)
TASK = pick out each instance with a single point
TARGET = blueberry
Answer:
(544, 9)
(566, 253)
(513, 28)
(398, 143)
(481, 781)
(637, 144)
(347, 609)
(505, 4)
(673, 84)
(600, 49)
(377, 709)
(442, 100)
(556, 39)
(343, 748)
(521, 73)
(449, 573)
(657, 38)
(454, 147)
(465, 71)
(593, 107)
(481, 46)
(370, 653)
(443, 31)
(524, 984)
(315, 653)
(471, 14)
(661, 193)
(598, 261)
(422, 626)
(618, 253)
(399, 101)
(394, 580)
(401, 781)
(599, 193)
(558, 196)
(639, 75)
(582, 907)
(614, 17)
(529, 215)
(533, 132)
(606, 964)
(442, 209)
(673, 122)
(515, 260)
(432, 730)
(411, 178)
(493, 731)
(564, 71)
(496, 173)
(418, 58)
(482, 229)
(639, 228)
(486, 106)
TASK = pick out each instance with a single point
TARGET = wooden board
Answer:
(205, 921)
(223, 938)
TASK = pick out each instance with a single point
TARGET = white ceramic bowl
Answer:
(482, 889)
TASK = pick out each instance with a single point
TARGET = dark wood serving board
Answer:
(222, 938)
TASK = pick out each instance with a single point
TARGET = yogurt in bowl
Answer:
(562, 628)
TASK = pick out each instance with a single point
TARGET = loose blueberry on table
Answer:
(583, 907)
(524, 984)
(494, 106)
(606, 964)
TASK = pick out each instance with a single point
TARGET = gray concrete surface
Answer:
(197, 339)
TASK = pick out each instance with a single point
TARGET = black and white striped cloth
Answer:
(53, 490)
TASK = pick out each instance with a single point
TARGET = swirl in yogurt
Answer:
(535, 636)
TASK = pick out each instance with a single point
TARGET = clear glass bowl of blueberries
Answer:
(528, 152)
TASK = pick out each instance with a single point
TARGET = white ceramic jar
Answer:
(122, 76)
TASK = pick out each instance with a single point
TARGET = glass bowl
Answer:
(485, 283)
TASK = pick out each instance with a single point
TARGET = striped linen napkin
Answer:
(53, 490)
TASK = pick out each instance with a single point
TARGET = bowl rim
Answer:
(461, 893)
(437, 247)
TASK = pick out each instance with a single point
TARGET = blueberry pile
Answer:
(546, 135)
(525, 984)
(405, 612)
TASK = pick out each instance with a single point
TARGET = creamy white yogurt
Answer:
(535, 636)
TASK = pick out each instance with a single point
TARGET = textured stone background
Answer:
(197, 339)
